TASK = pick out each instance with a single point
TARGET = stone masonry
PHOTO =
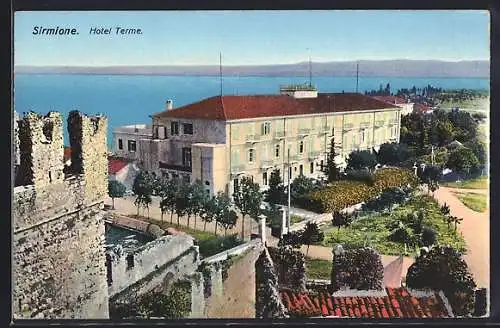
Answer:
(59, 264)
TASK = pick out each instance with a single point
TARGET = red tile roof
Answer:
(398, 304)
(255, 106)
(115, 165)
(391, 99)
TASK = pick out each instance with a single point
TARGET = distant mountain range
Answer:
(367, 68)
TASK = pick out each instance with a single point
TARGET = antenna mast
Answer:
(220, 72)
(310, 69)
(357, 76)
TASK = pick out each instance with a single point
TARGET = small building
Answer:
(126, 140)
(406, 105)
(421, 109)
(123, 170)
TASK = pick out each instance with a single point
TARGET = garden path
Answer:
(475, 229)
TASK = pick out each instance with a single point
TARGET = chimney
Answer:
(169, 104)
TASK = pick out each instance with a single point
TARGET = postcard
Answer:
(250, 164)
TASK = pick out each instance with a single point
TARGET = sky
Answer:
(251, 37)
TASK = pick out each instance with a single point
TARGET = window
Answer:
(301, 147)
(120, 144)
(207, 183)
(156, 133)
(266, 128)
(164, 132)
(174, 128)
(131, 145)
(311, 169)
(290, 173)
(109, 270)
(301, 169)
(187, 128)
(186, 157)
(251, 155)
(321, 164)
(130, 261)
(277, 151)
(362, 136)
(264, 178)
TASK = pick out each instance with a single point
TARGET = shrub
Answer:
(293, 239)
(387, 199)
(361, 175)
(442, 268)
(290, 267)
(214, 246)
(357, 268)
(302, 186)
(429, 236)
(342, 194)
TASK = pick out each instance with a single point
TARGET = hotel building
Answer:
(220, 139)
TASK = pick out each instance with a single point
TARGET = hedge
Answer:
(342, 194)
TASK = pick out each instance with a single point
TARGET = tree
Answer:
(224, 215)
(293, 239)
(276, 192)
(442, 268)
(199, 199)
(228, 221)
(333, 172)
(339, 220)
(208, 212)
(181, 201)
(248, 199)
(462, 160)
(392, 153)
(445, 132)
(143, 188)
(430, 176)
(116, 189)
(167, 190)
(311, 234)
(479, 149)
(363, 159)
(301, 186)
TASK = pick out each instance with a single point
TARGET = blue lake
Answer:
(130, 99)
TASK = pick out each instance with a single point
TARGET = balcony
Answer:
(279, 134)
(393, 122)
(324, 129)
(293, 158)
(314, 154)
(266, 164)
(303, 132)
(348, 126)
(251, 138)
(238, 168)
(365, 124)
(379, 123)
(173, 167)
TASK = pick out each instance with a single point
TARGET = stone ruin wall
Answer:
(58, 239)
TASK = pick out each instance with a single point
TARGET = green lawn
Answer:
(476, 202)
(372, 230)
(318, 269)
(477, 183)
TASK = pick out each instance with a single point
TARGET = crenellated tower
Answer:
(59, 263)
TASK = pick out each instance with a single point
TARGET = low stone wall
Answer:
(152, 259)
(134, 224)
(233, 251)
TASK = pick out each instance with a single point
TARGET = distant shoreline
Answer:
(248, 75)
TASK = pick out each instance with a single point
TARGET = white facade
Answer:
(126, 140)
